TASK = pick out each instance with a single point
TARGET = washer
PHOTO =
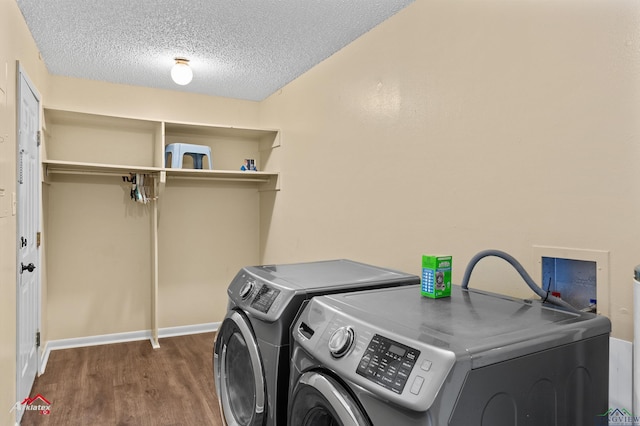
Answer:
(392, 357)
(252, 349)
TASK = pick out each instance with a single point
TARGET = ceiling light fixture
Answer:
(181, 72)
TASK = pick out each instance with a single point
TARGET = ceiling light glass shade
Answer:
(181, 72)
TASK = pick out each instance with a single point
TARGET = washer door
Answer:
(319, 400)
(238, 373)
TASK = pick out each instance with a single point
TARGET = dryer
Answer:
(391, 357)
(252, 349)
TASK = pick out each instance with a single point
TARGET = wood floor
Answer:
(130, 384)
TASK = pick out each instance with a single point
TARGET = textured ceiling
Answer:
(243, 49)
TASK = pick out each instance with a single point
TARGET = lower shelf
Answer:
(72, 167)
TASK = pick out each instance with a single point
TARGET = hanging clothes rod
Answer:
(76, 172)
(231, 179)
(49, 171)
(124, 171)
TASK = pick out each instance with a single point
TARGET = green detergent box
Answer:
(436, 276)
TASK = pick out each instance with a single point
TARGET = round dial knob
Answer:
(341, 341)
(246, 289)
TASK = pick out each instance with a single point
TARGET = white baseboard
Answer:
(132, 336)
(184, 330)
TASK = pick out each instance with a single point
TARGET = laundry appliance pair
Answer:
(252, 351)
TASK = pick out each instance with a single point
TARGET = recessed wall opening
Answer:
(574, 281)
(578, 276)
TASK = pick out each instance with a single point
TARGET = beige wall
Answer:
(16, 44)
(458, 126)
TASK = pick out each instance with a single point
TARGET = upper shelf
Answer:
(271, 136)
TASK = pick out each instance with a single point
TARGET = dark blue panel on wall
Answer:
(574, 280)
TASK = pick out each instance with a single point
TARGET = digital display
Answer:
(396, 350)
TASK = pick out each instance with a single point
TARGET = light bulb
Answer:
(181, 72)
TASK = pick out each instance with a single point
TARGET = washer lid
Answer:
(485, 326)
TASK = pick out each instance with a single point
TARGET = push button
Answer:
(426, 365)
(407, 364)
(417, 385)
(397, 386)
(387, 381)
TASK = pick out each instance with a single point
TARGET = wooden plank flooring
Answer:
(130, 384)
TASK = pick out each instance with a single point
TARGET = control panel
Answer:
(387, 363)
(393, 361)
(264, 298)
(256, 296)
(261, 296)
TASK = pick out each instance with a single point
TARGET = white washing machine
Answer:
(391, 357)
(252, 349)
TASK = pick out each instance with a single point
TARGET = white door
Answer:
(28, 282)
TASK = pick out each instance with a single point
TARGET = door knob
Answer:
(30, 267)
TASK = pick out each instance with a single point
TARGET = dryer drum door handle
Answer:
(337, 397)
(30, 267)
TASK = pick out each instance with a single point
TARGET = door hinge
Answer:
(38, 239)
(20, 167)
(39, 137)
(38, 339)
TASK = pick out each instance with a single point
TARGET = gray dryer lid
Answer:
(272, 293)
(482, 326)
(329, 274)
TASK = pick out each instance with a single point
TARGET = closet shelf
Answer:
(74, 167)
(246, 176)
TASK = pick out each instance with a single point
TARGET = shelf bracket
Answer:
(273, 184)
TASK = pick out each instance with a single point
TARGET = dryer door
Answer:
(238, 373)
(319, 400)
